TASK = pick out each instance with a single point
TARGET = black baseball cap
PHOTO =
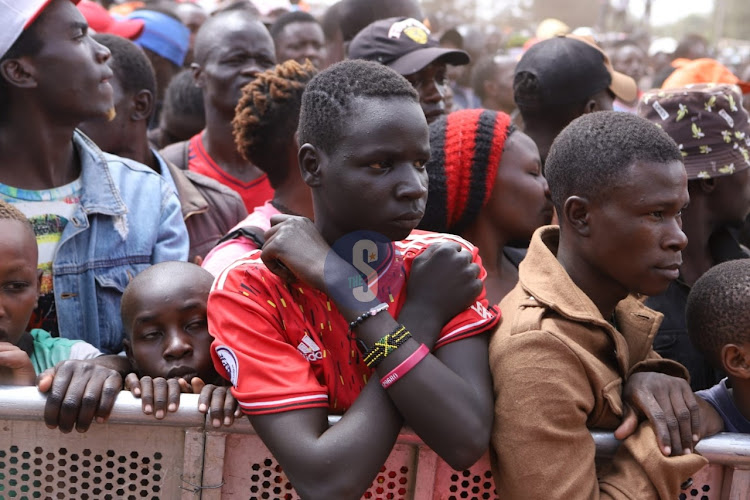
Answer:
(572, 68)
(403, 44)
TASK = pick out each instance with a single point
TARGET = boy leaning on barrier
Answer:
(357, 313)
(718, 321)
(70, 371)
(168, 344)
(574, 350)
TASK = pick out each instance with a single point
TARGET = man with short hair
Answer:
(561, 78)
(231, 48)
(99, 219)
(406, 46)
(209, 208)
(492, 81)
(298, 35)
(574, 349)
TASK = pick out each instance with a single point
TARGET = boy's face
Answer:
(19, 279)
(636, 236)
(169, 331)
(375, 179)
(71, 68)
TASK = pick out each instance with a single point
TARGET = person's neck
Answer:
(698, 226)
(542, 135)
(218, 139)
(37, 154)
(741, 395)
(294, 195)
(603, 292)
(497, 105)
(501, 273)
(136, 147)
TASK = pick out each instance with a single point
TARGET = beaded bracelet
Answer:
(367, 314)
(405, 366)
(386, 345)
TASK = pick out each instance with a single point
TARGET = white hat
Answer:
(16, 16)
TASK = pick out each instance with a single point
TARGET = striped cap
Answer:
(15, 17)
(465, 151)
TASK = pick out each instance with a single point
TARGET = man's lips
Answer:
(182, 372)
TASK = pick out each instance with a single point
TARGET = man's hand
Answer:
(294, 249)
(669, 404)
(15, 366)
(78, 391)
(444, 280)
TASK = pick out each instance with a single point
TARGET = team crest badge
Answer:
(417, 34)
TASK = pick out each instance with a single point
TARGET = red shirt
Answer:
(286, 347)
(254, 193)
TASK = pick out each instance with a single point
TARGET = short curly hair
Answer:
(267, 114)
(718, 309)
(327, 100)
(595, 150)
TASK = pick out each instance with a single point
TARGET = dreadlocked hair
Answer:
(266, 117)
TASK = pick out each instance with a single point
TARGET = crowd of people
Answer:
(296, 217)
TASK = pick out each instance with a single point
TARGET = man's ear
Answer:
(142, 105)
(590, 106)
(575, 214)
(736, 360)
(18, 73)
(197, 74)
(309, 158)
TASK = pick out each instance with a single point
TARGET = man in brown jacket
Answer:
(574, 350)
(209, 208)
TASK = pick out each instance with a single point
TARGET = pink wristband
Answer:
(405, 366)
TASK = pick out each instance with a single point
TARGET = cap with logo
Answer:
(403, 44)
(572, 68)
(707, 122)
(16, 16)
(102, 22)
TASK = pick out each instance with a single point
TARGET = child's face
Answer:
(375, 179)
(19, 279)
(169, 332)
(636, 237)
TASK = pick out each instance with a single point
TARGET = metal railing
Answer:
(133, 455)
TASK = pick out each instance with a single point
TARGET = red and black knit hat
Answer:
(465, 152)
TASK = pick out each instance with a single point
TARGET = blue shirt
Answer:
(721, 399)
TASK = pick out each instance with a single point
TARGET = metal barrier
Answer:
(134, 456)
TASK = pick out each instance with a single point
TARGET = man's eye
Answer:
(16, 286)
(657, 214)
(420, 164)
(381, 165)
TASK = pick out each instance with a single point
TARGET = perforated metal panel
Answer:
(251, 472)
(706, 484)
(41, 463)
(475, 483)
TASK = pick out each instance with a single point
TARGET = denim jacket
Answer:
(128, 219)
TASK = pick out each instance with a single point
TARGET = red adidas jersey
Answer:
(286, 347)
(254, 193)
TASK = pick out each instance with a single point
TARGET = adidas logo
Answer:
(309, 349)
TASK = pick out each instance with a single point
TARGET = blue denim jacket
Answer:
(129, 218)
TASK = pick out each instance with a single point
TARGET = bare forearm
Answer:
(358, 444)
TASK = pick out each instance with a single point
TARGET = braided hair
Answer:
(266, 117)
